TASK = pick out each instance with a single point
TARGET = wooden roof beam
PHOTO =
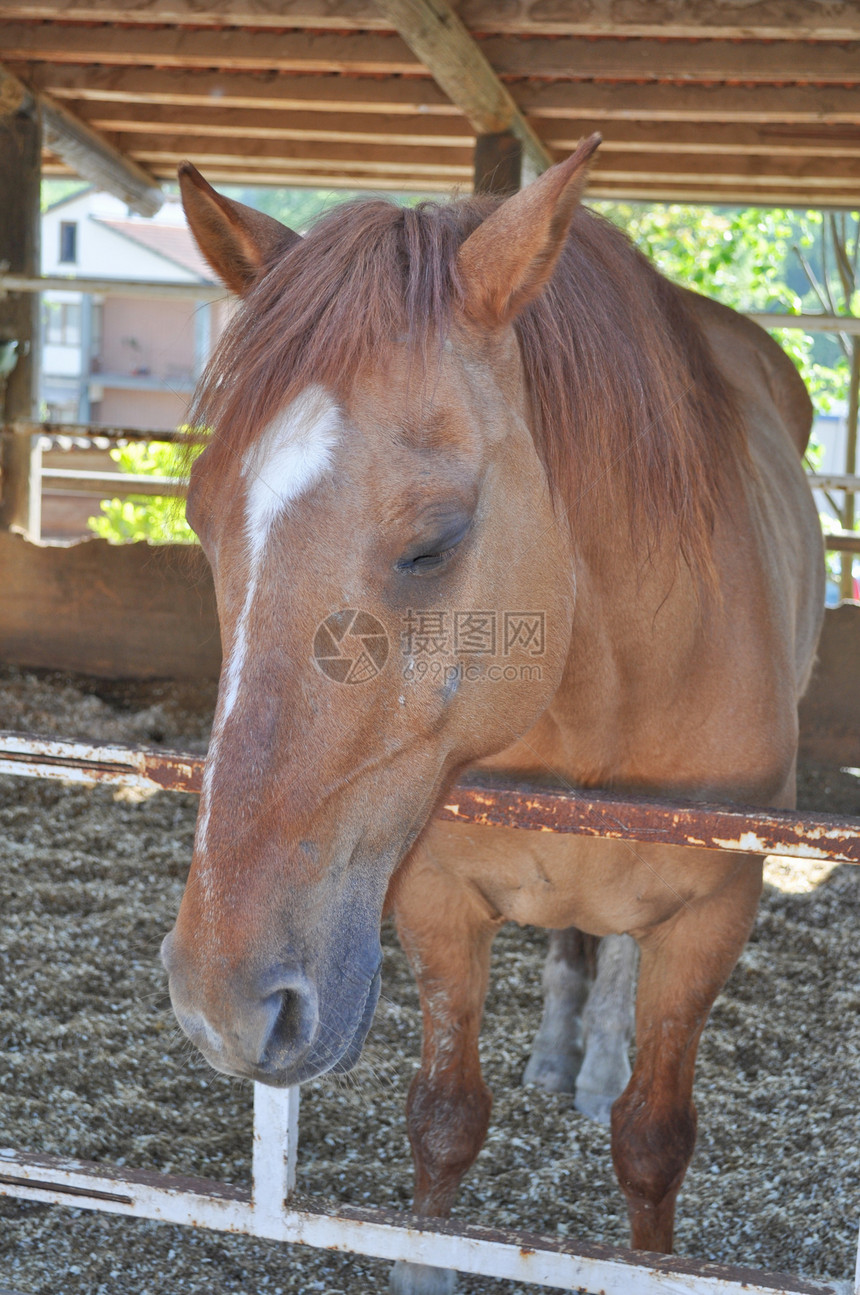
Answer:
(320, 94)
(433, 129)
(762, 170)
(473, 68)
(725, 19)
(83, 150)
(234, 171)
(732, 194)
(358, 53)
(266, 123)
(439, 38)
(812, 106)
(432, 163)
(635, 190)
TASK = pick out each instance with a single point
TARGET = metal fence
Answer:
(271, 1208)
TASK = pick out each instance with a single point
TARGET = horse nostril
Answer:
(294, 1023)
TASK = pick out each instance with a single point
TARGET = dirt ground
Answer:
(93, 1065)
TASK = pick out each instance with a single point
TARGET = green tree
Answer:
(743, 257)
(156, 519)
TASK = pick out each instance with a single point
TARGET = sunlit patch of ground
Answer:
(796, 876)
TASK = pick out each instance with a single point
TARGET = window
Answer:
(62, 323)
(69, 241)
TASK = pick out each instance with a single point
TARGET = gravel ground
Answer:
(92, 1064)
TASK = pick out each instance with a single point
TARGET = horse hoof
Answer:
(553, 1072)
(595, 1106)
(421, 1279)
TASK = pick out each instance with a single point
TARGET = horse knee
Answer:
(651, 1150)
(447, 1122)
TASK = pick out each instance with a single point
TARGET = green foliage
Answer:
(54, 191)
(159, 519)
(299, 208)
(738, 256)
(744, 257)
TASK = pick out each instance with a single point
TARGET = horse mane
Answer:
(623, 388)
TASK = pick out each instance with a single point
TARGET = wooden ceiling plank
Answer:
(345, 15)
(164, 153)
(815, 105)
(237, 175)
(759, 169)
(698, 175)
(729, 138)
(725, 19)
(239, 90)
(359, 53)
(730, 195)
(90, 156)
(472, 68)
(361, 128)
(341, 180)
(577, 57)
(433, 36)
(573, 101)
(702, 193)
(336, 152)
(437, 130)
(438, 37)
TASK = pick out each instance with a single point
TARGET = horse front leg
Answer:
(447, 938)
(685, 961)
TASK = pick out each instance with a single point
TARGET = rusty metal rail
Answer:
(488, 803)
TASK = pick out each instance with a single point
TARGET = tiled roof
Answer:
(174, 242)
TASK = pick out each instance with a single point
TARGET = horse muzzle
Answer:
(272, 1029)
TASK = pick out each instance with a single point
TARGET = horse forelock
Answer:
(627, 401)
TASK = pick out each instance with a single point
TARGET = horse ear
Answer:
(509, 258)
(238, 242)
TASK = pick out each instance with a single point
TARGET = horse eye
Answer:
(428, 560)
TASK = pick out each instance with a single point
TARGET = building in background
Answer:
(114, 358)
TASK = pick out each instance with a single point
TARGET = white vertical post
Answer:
(34, 530)
(276, 1137)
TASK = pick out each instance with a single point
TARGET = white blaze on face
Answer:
(291, 455)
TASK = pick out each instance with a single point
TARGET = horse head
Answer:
(387, 558)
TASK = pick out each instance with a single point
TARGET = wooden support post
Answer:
(498, 163)
(846, 582)
(20, 175)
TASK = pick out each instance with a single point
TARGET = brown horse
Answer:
(482, 487)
